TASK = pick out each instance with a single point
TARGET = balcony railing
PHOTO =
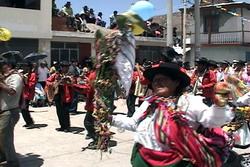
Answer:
(224, 38)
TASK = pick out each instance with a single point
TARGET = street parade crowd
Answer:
(166, 85)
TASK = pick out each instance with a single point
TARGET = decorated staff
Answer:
(115, 60)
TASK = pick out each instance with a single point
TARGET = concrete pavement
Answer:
(44, 146)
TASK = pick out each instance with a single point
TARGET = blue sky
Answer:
(108, 6)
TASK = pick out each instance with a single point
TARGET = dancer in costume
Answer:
(167, 123)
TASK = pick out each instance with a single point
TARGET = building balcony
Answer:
(224, 38)
(61, 31)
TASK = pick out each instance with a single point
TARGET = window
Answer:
(61, 51)
(211, 24)
(25, 4)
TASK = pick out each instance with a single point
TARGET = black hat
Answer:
(168, 69)
(202, 60)
(225, 62)
(241, 63)
(68, 3)
(213, 63)
(64, 63)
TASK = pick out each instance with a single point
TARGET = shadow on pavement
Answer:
(30, 160)
(78, 113)
(112, 143)
(76, 130)
(37, 126)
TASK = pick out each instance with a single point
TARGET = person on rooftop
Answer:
(67, 11)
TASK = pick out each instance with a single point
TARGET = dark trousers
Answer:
(26, 113)
(8, 120)
(62, 111)
(43, 83)
(89, 121)
(74, 103)
(131, 104)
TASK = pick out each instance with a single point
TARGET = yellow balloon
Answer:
(5, 34)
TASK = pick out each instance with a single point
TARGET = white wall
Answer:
(229, 22)
(228, 53)
(26, 23)
(246, 14)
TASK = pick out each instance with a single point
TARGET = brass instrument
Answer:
(195, 90)
(140, 89)
(53, 89)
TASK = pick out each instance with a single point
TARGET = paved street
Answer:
(44, 146)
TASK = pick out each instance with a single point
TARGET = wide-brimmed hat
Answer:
(240, 62)
(168, 69)
(202, 60)
(213, 63)
(225, 62)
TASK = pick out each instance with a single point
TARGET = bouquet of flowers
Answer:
(114, 61)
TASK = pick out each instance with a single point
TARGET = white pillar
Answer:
(184, 30)
(45, 47)
(197, 29)
(170, 23)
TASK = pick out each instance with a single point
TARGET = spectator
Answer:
(112, 19)
(92, 18)
(85, 14)
(53, 68)
(43, 73)
(99, 20)
(55, 11)
(80, 24)
(67, 11)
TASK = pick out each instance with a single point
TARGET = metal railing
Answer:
(236, 37)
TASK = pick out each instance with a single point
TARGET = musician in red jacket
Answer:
(30, 80)
(89, 106)
(62, 84)
(203, 80)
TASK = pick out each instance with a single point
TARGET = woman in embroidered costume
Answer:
(173, 128)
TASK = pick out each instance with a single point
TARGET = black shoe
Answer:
(28, 125)
(59, 129)
(25, 125)
(92, 145)
(88, 137)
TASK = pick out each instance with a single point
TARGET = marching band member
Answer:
(203, 80)
(10, 94)
(30, 80)
(61, 84)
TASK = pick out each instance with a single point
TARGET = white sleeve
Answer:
(129, 123)
(244, 100)
(199, 113)
(15, 82)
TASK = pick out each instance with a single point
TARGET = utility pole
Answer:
(170, 23)
(197, 29)
(184, 30)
